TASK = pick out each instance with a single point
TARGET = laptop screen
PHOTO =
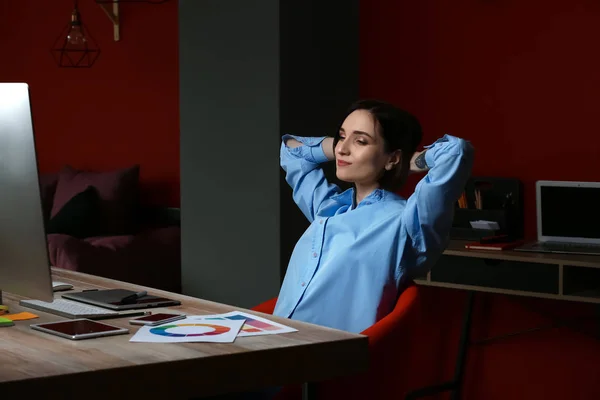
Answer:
(570, 212)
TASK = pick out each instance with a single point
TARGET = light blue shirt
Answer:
(346, 269)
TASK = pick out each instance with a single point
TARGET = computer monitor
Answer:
(24, 262)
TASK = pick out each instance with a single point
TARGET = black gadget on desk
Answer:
(120, 299)
(157, 319)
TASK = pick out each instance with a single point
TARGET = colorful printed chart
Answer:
(189, 329)
(168, 330)
(253, 325)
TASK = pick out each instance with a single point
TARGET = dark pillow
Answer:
(48, 184)
(118, 192)
(80, 217)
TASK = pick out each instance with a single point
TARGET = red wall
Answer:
(518, 79)
(521, 80)
(123, 110)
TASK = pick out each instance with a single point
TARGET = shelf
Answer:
(549, 276)
(581, 282)
(583, 299)
(112, 11)
(497, 273)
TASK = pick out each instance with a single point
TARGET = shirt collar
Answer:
(347, 198)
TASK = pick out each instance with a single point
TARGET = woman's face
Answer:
(360, 153)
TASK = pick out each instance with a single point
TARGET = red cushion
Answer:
(118, 191)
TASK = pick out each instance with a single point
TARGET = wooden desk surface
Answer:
(47, 366)
(457, 248)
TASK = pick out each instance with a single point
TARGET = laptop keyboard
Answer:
(68, 308)
(569, 247)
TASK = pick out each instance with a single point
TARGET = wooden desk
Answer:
(36, 364)
(552, 276)
(569, 277)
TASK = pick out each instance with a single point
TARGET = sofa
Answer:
(97, 223)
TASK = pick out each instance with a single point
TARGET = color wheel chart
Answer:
(253, 325)
(167, 330)
(190, 329)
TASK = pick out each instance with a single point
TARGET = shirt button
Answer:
(315, 255)
(302, 284)
(321, 222)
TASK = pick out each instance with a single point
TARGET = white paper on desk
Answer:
(189, 330)
(253, 326)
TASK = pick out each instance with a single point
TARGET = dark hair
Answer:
(400, 131)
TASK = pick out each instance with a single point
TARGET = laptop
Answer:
(568, 218)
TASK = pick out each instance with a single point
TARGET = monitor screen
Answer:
(24, 262)
(571, 212)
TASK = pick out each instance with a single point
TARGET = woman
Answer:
(346, 269)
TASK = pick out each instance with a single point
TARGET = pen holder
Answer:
(499, 200)
(462, 229)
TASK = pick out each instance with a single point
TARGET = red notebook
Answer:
(493, 246)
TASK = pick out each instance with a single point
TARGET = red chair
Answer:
(389, 344)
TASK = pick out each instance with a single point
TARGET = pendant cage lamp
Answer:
(75, 47)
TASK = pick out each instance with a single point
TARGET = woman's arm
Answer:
(301, 158)
(326, 145)
(430, 210)
(418, 162)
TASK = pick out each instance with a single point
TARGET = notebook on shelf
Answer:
(493, 246)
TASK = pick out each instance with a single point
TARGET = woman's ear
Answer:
(394, 159)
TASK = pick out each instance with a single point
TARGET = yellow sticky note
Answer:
(3, 309)
(6, 322)
(20, 316)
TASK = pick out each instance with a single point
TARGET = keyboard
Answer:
(68, 308)
(562, 247)
(569, 246)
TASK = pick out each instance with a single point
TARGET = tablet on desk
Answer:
(77, 329)
(113, 299)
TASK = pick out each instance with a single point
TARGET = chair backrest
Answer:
(406, 299)
(389, 342)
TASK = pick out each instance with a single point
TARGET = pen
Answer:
(133, 297)
(133, 314)
(462, 201)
